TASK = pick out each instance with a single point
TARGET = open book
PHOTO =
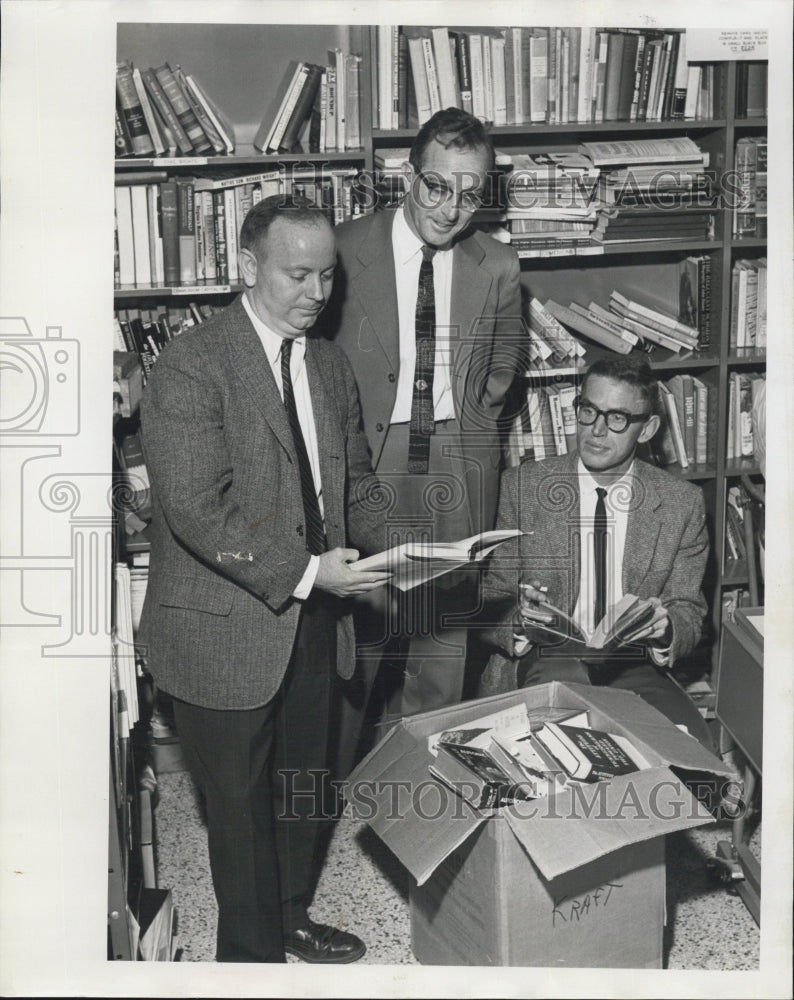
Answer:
(621, 625)
(414, 563)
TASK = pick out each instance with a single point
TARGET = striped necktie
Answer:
(315, 530)
(422, 415)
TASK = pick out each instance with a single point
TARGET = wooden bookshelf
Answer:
(650, 264)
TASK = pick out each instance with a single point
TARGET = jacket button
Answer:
(299, 529)
(392, 377)
(379, 427)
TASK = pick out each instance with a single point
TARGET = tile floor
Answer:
(363, 885)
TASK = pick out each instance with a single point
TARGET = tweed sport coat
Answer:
(665, 552)
(487, 341)
(228, 537)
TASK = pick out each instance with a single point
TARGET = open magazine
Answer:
(414, 563)
(621, 625)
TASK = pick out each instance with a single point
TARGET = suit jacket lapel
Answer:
(376, 288)
(470, 287)
(642, 531)
(329, 443)
(253, 372)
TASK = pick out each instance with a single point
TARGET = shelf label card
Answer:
(716, 44)
(200, 289)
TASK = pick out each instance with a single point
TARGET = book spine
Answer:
(477, 75)
(674, 426)
(186, 231)
(701, 422)
(276, 139)
(168, 221)
(301, 109)
(126, 240)
(232, 226)
(464, 71)
(163, 105)
(690, 419)
(208, 230)
(182, 110)
(761, 210)
(132, 111)
(353, 73)
(445, 71)
(588, 328)
(538, 76)
(678, 104)
(487, 77)
(221, 260)
(148, 114)
(155, 234)
(140, 232)
(123, 140)
(432, 76)
(419, 74)
(205, 122)
(498, 73)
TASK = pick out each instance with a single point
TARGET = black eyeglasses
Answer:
(439, 192)
(616, 420)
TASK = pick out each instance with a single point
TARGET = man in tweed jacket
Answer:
(243, 625)
(657, 548)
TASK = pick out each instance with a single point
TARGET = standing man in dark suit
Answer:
(259, 473)
(598, 524)
(429, 313)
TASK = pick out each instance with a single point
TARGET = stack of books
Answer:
(528, 753)
(649, 323)
(550, 202)
(652, 189)
(164, 112)
(748, 304)
(184, 231)
(319, 108)
(750, 209)
(522, 75)
(545, 425)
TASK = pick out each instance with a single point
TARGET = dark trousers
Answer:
(418, 655)
(262, 774)
(637, 675)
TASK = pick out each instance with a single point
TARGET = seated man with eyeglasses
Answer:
(598, 524)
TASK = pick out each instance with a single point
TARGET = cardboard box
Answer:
(574, 880)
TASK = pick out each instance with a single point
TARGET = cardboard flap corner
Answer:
(415, 815)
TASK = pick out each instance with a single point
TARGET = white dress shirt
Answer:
(618, 502)
(407, 251)
(271, 342)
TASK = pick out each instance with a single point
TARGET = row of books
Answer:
(184, 231)
(143, 333)
(736, 504)
(319, 110)
(519, 75)
(528, 753)
(164, 112)
(733, 598)
(742, 390)
(748, 304)
(750, 208)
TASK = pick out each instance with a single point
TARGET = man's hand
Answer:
(659, 629)
(531, 596)
(336, 576)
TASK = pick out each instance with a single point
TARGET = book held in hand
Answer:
(621, 625)
(414, 563)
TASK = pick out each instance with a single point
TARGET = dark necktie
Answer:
(315, 532)
(600, 555)
(422, 415)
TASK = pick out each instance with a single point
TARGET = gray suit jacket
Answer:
(228, 538)
(487, 341)
(665, 553)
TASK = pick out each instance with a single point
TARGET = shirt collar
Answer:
(405, 243)
(272, 341)
(588, 485)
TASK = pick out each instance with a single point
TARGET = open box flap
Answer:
(655, 736)
(583, 821)
(416, 816)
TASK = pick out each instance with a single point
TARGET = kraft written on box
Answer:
(576, 880)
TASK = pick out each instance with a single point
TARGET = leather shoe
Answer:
(323, 943)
